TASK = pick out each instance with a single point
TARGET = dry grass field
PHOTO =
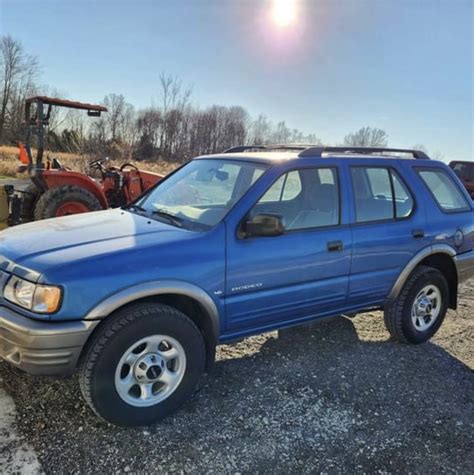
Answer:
(9, 162)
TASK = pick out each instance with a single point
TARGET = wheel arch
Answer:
(438, 256)
(188, 298)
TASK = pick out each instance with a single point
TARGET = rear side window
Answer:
(403, 199)
(380, 194)
(444, 190)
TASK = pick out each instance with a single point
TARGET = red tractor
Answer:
(57, 191)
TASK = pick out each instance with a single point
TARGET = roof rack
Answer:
(319, 150)
(244, 148)
(307, 150)
(269, 148)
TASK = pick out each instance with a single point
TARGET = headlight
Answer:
(38, 298)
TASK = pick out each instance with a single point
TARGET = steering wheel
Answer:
(99, 162)
(131, 165)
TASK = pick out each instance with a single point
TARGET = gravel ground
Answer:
(335, 396)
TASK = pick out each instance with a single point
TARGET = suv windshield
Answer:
(201, 193)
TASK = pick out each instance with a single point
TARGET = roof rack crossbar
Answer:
(269, 148)
(244, 148)
(319, 150)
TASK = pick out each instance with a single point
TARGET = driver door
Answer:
(300, 274)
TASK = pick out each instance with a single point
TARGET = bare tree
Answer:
(367, 137)
(17, 72)
(260, 131)
(282, 133)
(77, 127)
(128, 125)
(116, 105)
(175, 100)
(23, 87)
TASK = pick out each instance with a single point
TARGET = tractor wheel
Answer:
(65, 200)
(29, 199)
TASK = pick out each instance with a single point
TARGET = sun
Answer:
(284, 12)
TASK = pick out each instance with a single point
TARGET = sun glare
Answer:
(284, 12)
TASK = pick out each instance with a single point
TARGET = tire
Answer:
(102, 376)
(28, 202)
(53, 202)
(418, 328)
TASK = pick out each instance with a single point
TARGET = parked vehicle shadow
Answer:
(333, 353)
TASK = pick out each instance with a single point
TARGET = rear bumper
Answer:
(465, 266)
(42, 348)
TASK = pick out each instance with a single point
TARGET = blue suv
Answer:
(259, 238)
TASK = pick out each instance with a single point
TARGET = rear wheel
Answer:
(30, 197)
(65, 200)
(143, 363)
(418, 312)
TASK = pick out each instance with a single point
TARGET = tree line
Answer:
(173, 130)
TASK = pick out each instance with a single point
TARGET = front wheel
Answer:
(418, 312)
(143, 363)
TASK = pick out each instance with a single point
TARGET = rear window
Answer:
(444, 190)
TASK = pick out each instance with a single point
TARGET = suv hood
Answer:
(54, 242)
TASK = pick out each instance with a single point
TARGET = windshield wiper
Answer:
(134, 207)
(176, 220)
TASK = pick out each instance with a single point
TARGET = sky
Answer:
(326, 67)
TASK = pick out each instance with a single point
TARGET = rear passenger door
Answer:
(388, 229)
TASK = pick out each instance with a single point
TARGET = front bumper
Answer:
(42, 348)
(465, 266)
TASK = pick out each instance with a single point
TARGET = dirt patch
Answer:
(15, 455)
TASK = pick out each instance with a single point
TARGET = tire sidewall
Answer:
(429, 278)
(28, 203)
(105, 397)
(51, 200)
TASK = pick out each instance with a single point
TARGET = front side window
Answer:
(445, 192)
(201, 193)
(380, 194)
(286, 188)
(306, 198)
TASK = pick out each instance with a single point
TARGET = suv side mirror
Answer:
(264, 224)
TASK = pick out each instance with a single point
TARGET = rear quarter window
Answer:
(444, 190)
